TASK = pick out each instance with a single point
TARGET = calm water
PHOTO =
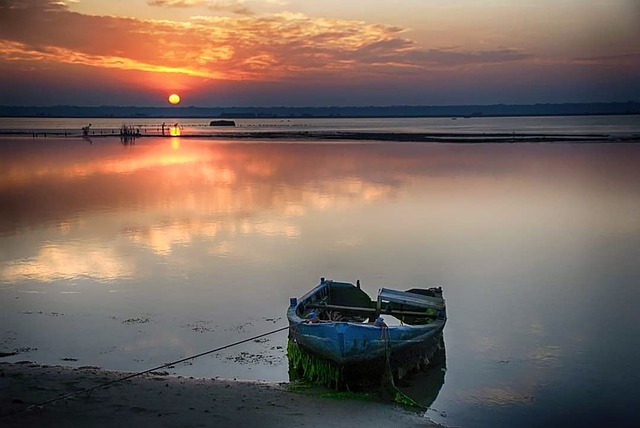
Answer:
(127, 257)
(608, 125)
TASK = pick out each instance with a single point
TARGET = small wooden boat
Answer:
(222, 123)
(343, 330)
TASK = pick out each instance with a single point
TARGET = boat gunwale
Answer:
(294, 318)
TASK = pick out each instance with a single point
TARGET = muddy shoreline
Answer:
(161, 400)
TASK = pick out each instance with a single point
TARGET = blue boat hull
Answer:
(346, 343)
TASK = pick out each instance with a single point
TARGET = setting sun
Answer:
(174, 99)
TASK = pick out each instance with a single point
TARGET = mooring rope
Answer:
(88, 391)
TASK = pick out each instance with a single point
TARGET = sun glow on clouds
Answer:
(219, 47)
(403, 51)
(15, 51)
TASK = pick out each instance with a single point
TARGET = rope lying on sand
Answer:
(132, 375)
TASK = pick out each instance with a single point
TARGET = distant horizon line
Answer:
(174, 107)
(283, 112)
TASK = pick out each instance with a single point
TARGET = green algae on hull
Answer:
(311, 368)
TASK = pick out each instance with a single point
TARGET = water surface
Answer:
(129, 256)
(604, 125)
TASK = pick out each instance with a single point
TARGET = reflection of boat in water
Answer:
(345, 346)
(424, 386)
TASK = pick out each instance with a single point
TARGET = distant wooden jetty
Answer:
(129, 131)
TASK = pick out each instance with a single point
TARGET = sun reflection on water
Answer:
(174, 131)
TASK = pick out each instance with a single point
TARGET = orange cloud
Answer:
(241, 56)
(20, 52)
(247, 47)
(176, 3)
(234, 6)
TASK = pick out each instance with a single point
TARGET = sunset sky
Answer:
(318, 53)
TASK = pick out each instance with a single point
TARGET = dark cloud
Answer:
(176, 3)
(449, 57)
(627, 58)
(234, 6)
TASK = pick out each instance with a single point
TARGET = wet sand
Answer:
(161, 400)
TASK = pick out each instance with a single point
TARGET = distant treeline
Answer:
(325, 112)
